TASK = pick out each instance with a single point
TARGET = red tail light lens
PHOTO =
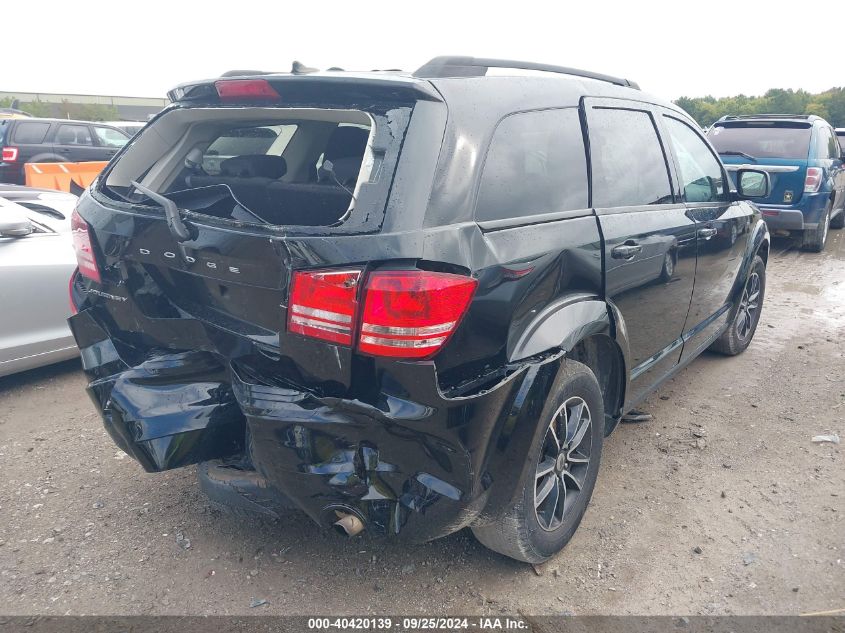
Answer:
(82, 245)
(323, 304)
(406, 314)
(245, 90)
(411, 314)
(813, 181)
(10, 154)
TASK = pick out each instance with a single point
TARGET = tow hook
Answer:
(348, 524)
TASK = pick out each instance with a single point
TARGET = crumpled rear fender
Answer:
(169, 411)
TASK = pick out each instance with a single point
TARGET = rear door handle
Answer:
(706, 233)
(625, 251)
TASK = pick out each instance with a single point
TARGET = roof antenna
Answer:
(301, 69)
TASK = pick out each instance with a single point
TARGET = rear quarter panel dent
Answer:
(560, 325)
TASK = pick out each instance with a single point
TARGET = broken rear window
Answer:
(277, 166)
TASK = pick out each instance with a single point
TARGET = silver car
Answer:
(36, 263)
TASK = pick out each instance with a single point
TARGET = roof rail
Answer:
(737, 117)
(455, 66)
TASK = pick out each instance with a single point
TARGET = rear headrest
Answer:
(347, 142)
(254, 165)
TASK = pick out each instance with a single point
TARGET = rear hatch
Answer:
(261, 172)
(780, 148)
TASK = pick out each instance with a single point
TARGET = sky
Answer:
(671, 49)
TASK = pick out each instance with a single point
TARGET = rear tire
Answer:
(839, 221)
(815, 239)
(738, 336)
(668, 268)
(561, 473)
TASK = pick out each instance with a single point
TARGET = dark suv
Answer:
(53, 141)
(408, 304)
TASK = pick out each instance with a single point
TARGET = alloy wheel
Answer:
(563, 463)
(669, 265)
(748, 306)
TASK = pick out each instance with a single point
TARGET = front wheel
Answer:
(738, 336)
(558, 479)
(668, 268)
(839, 221)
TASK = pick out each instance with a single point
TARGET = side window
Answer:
(820, 144)
(535, 164)
(31, 132)
(629, 167)
(109, 137)
(826, 144)
(73, 135)
(832, 145)
(701, 174)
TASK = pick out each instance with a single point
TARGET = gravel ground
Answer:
(720, 505)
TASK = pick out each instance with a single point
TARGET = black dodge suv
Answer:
(408, 304)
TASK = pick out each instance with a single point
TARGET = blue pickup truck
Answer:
(805, 162)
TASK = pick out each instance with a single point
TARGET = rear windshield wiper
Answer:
(736, 153)
(175, 223)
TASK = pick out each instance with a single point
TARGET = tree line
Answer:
(64, 110)
(829, 105)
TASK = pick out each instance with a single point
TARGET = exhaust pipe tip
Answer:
(348, 524)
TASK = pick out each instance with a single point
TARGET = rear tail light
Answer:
(10, 154)
(405, 314)
(813, 181)
(411, 313)
(245, 90)
(84, 250)
(323, 304)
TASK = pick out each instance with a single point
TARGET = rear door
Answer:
(74, 142)
(108, 140)
(722, 230)
(649, 236)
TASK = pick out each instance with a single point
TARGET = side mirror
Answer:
(752, 183)
(14, 225)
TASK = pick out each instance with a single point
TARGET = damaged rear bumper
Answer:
(399, 455)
